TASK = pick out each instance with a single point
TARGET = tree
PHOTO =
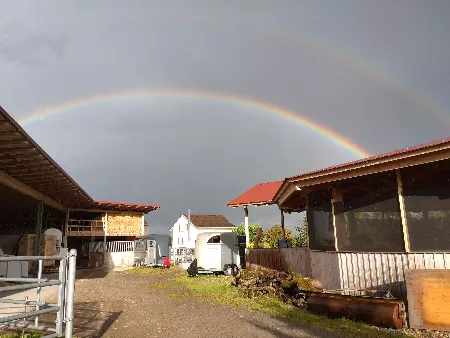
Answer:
(252, 229)
(274, 234)
(301, 240)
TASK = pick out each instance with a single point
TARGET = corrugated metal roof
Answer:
(262, 193)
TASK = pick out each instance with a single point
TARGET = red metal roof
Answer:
(124, 206)
(377, 157)
(262, 193)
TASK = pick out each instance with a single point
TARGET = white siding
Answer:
(180, 233)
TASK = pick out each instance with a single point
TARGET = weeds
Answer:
(218, 289)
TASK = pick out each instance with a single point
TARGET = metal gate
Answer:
(64, 307)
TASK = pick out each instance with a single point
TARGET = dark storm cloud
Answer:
(350, 66)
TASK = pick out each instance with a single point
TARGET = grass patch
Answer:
(144, 271)
(217, 289)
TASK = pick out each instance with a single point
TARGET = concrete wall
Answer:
(112, 259)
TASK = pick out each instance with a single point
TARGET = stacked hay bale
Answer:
(289, 287)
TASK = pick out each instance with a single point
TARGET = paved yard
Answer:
(117, 305)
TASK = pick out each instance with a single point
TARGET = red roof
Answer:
(377, 157)
(262, 193)
(124, 206)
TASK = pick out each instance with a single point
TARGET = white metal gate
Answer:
(63, 308)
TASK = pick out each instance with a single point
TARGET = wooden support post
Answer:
(37, 239)
(401, 201)
(283, 235)
(247, 233)
(337, 205)
(66, 231)
(309, 220)
(105, 233)
(143, 225)
(352, 229)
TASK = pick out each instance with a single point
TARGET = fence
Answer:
(64, 306)
(349, 272)
(120, 246)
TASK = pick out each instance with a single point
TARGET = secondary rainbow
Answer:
(71, 105)
(358, 63)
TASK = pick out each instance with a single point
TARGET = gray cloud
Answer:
(369, 71)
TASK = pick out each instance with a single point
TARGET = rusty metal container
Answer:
(381, 312)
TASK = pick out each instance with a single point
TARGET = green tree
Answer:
(274, 234)
(301, 240)
(252, 229)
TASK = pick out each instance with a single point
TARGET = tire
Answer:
(228, 271)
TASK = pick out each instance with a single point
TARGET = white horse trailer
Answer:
(217, 252)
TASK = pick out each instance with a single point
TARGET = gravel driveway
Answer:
(118, 305)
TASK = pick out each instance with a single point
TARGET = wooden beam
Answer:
(104, 210)
(37, 239)
(401, 201)
(309, 217)
(362, 169)
(10, 134)
(337, 204)
(283, 235)
(33, 171)
(27, 190)
(66, 228)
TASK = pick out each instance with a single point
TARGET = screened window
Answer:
(372, 214)
(426, 189)
(320, 221)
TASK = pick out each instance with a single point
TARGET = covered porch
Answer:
(370, 221)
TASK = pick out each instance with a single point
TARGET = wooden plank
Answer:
(428, 305)
(27, 190)
(404, 217)
(421, 156)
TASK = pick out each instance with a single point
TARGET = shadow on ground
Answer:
(92, 319)
(289, 327)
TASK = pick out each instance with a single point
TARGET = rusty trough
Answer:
(381, 312)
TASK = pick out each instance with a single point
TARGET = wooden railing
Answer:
(85, 228)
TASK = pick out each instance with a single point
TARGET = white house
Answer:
(184, 234)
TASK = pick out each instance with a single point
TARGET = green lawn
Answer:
(218, 289)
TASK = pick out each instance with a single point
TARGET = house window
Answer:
(214, 239)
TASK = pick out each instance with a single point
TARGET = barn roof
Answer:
(210, 221)
(415, 155)
(262, 193)
(26, 167)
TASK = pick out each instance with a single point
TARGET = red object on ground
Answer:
(166, 263)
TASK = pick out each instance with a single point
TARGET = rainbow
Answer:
(79, 103)
(365, 67)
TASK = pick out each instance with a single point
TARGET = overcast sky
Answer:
(376, 72)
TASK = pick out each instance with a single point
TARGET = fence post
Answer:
(38, 290)
(70, 292)
(61, 296)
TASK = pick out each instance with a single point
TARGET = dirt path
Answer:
(117, 305)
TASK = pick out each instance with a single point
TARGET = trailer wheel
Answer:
(228, 271)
